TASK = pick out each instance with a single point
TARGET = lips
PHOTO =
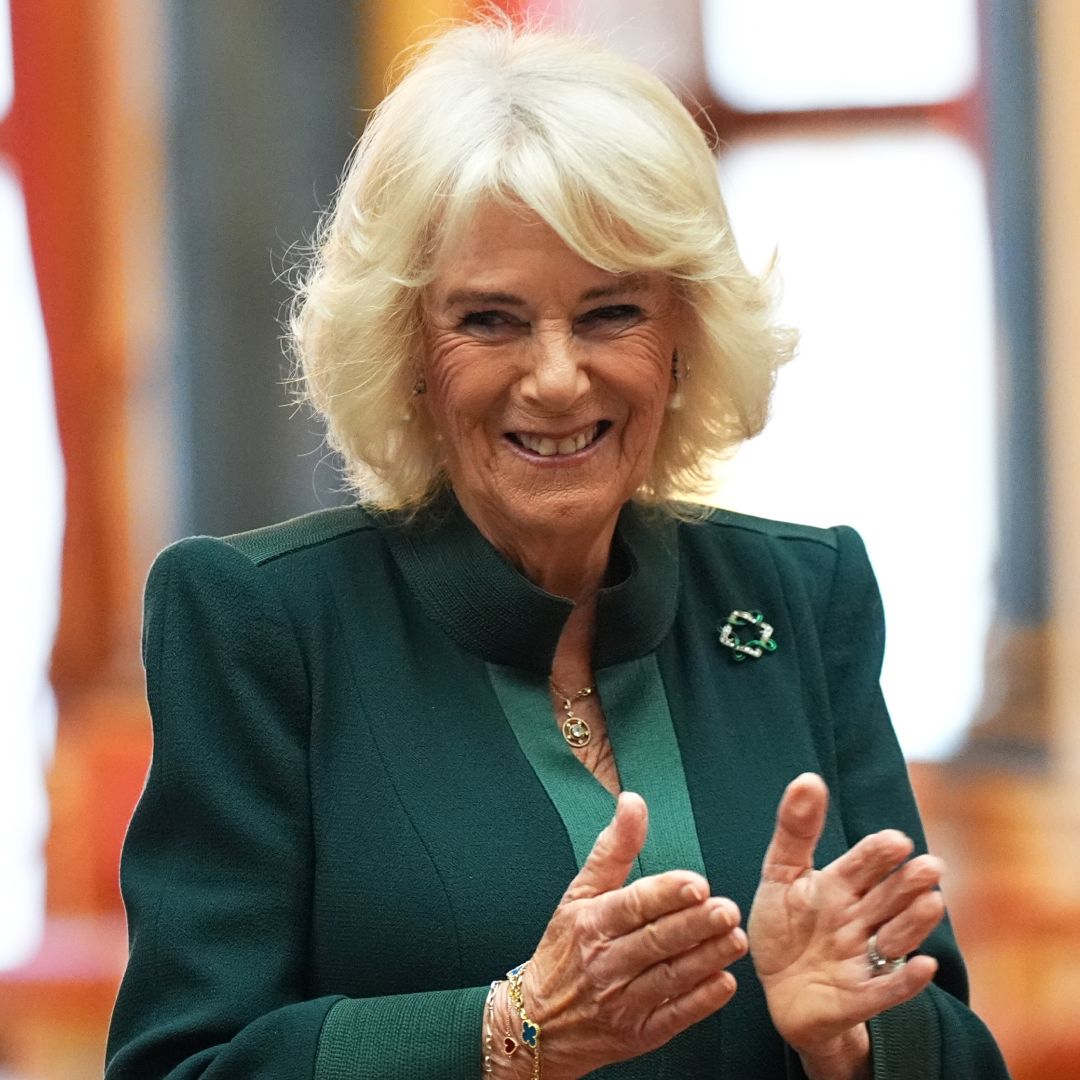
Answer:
(546, 446)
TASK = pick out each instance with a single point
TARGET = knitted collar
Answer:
(493, 611)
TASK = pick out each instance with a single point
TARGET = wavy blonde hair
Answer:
(601, 150)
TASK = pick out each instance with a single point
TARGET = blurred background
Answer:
(916, 165)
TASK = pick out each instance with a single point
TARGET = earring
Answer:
(419, 387)
(675, 398)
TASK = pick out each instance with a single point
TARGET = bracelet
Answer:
(530, 1031)
(489, 1014)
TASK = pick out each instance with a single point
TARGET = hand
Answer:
(809, 929)
(621, 969)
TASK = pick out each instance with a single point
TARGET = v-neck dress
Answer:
(360, 810)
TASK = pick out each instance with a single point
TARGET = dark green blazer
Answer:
(360, 811)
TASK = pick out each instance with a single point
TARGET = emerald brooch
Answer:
(756, 647)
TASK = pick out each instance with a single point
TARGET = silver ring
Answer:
(881, 965)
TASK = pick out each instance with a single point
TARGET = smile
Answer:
(546, 446)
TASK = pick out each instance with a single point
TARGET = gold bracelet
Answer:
(530, 1031)
(510, 1044)
(489, 1015)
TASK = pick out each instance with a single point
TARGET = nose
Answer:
(557, 377)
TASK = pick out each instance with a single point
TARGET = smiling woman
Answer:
(500, 709)
(629, 200)
(546, 381)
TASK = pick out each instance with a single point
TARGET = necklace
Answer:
(575, 729)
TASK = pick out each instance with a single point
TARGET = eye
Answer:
(611, 315)
(488, 321)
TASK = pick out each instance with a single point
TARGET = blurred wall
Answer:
(260, 114)
(1059, 38)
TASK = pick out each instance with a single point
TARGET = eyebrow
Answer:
(631, 283)
(470, 296)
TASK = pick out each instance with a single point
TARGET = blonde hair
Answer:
(601, 150)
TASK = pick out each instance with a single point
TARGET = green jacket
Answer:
(360, 810)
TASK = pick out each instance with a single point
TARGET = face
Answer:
(547, 378)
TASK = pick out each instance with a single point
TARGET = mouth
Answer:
(565, 446)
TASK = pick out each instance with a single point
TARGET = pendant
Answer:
(576, 731)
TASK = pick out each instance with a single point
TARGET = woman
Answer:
(387, 737)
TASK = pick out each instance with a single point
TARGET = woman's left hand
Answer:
(809, 932)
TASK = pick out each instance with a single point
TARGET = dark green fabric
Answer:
(420, 1036)
(467, 588)
(645, 748)
(649, 763)
(898, 1056)
(584, 806)
(342, 840)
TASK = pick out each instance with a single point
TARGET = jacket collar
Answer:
(493, 611)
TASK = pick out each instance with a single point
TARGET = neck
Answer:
(573, 570)
(572, 667)
(570, 563)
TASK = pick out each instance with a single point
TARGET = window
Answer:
(33, 482)
(788, 55)
(885, 419)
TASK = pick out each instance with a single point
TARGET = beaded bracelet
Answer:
(530, 1032)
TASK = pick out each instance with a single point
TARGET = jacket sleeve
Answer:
(218, 862)
(935, 1034)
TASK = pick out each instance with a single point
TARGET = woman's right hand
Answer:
(621, 969)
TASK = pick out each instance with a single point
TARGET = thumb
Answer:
(800, 818)
(614, 852)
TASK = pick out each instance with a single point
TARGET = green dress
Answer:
(360, 810)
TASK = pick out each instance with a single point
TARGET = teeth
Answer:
(546, 447)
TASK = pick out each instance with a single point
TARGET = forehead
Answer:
(512, 249)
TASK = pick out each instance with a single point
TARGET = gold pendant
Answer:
(576, 731)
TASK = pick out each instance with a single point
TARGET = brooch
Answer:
(755, 648)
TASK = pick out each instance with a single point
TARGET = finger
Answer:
(614, 852)
(667, 934)
(800, 818)
(892, 895)
(679, 974)
(908, 930)
(643, 905)
(871, 860)
(881, 992)
(679, 1013)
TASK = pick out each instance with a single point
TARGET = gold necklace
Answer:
(575, 729)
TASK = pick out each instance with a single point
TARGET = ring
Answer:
(881, 965)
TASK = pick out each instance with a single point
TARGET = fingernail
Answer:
(726, 913)
(692, 893)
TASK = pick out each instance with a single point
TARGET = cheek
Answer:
(642, 372)
(461, 388)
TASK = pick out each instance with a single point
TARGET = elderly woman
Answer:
(477, 776)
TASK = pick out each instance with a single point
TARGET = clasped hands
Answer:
(621, 969)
